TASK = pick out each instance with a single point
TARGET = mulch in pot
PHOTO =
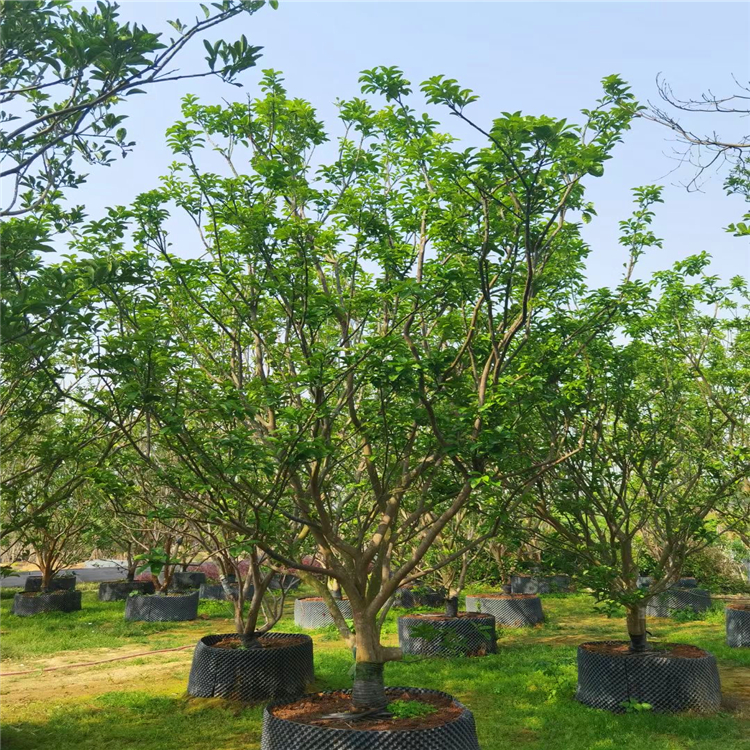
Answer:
(313, 708)
(622, 648)
(235, 643)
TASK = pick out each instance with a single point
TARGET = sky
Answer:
(540, 58)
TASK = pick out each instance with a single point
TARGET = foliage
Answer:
(404, 709)
(64, 74)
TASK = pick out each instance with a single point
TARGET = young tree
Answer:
(347, 333)
(661, 400)
(51, 506)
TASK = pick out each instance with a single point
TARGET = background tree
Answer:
(662, 404)
(63, 71)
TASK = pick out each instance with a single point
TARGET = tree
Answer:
(52, 507)
(660, 397)
(347, 333)
(708, 151)
(63, 73)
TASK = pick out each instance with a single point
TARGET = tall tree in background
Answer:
(662, 397)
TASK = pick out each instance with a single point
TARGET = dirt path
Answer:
(77, 682)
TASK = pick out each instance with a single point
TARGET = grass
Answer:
(522, 697)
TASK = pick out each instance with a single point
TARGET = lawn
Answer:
(522, 697)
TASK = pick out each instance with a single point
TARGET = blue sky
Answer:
(541, 58)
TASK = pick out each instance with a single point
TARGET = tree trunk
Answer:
(636, 620)
(132, 565)
(451, 606)
(368, 692)
(335, 588)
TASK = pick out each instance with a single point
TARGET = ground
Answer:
(522, 697)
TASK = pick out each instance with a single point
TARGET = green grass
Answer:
(522, 697)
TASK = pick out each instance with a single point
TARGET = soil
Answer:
(504, 596)
(742, 606)
(311, 709)
(232, 643)
(318, 599)
(622, 648)
(467, 615)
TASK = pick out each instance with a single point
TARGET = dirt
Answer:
(319, 599)
(504, 596)
(742, 606)
(460, 615)
(311, 710)
(622, 648)
(236, 643)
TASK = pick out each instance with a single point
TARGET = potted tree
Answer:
(343, 390)
(658, 395)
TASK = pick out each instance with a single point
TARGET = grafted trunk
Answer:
(636, 619)
(335, 588)
(132, 565)
(451, 606)
(368, 693)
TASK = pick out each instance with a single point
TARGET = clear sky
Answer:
(541, 58)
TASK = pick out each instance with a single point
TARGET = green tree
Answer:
(660, 451)
(348, 332)
(63, 73)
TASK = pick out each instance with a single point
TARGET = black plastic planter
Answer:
(666, 681)
(26, 605)
(469, 634)
(510, 610)
(559, 584)
(116, 591)
(313, 613)
(59, 583)
(158, 608)
(418, 597)
(216, 591)
(282, 734)
(185, 580)
(687, 583)
(738, 625)
(674, 600)
(253, 674)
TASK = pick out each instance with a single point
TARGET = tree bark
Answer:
(451, 606)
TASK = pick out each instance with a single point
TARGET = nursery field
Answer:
(522, 697)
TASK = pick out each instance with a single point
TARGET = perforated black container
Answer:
(173, 608)
(738, 627)
(667, 683)
(674, 600)
(26, 605)
(216, 591)
(185, 580)
(559, 584)
(254, 674)
(115, 591)
(471, 634)
(313, 613)
(58, 583)
(407, 597)
(513, 612)
(282, 734)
